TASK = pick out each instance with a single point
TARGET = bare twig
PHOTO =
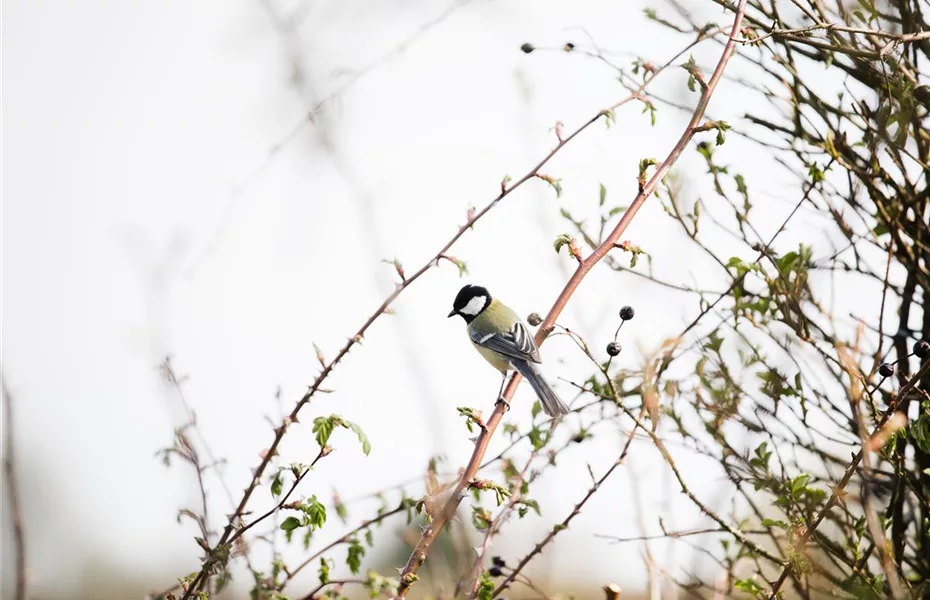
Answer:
(339, 582)
(12, 487)
(673, 535)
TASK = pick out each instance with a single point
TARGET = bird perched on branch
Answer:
(504, 341)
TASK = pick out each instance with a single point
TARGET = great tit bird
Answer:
(503, 340)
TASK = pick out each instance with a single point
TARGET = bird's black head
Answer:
(470, 302)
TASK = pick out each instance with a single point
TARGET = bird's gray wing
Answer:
(517, 343)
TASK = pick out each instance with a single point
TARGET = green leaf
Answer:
(362, 438)
(486, 484)
(485, 587)
(277, 485)
(799, 483)
(324, 571)
(721, 127)
(472, 417)
(644, 164)
(762, 456)
(748, 585)
(616, 210)
(740, 184)
(552, 181)
(461, 266)
(537, 408)
(603, 195)
(379, 585)
(354, 559)
(537, 438)
(341, 511)
(560, 241)
(528, 504)
(290, 524)
(694, 73)
(223, 580)
(815, 173)
(774, 523)
(323, 428)
(315, 511)
(919, 431)
(480, 518)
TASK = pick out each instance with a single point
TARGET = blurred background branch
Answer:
(14, 509)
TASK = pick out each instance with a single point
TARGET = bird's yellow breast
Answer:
(499, 362)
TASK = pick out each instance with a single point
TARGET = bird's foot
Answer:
(502, 400)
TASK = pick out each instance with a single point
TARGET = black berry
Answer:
(534, 319)
(886, 369)
(495, 572)
(498, 562)
(922, 349)
(569, 46)
(527, 48)
(627, 312)
(613, 348)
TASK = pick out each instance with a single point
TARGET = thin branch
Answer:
(339, 582)
(674, 535)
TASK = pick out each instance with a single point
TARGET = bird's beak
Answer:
(451, 314)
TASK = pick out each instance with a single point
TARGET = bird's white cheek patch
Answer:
(474, 306)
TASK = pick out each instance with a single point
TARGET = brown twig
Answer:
(339, 582)
(12, 486)
(418, 557)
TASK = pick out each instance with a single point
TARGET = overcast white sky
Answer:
(142, 216)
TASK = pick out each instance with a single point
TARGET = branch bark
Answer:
(419, 554)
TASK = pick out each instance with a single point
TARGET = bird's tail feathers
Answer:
(551, 403)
